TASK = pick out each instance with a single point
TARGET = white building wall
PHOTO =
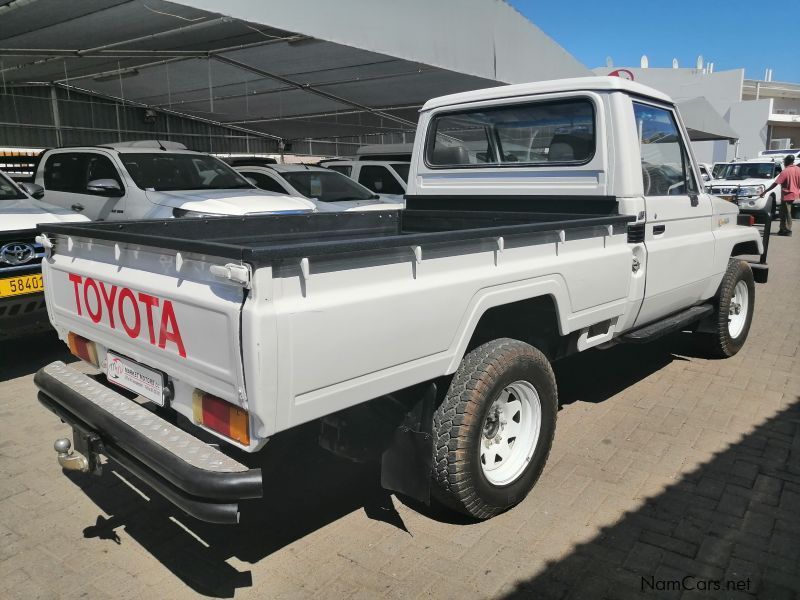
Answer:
(749, 119)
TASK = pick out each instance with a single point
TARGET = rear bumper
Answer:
(194, 476)
(23, 315)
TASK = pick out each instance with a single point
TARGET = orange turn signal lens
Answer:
(82, 348)
(225, 418)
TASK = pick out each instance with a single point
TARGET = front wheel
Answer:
(494, 429)
(734, 309)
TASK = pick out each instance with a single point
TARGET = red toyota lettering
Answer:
(76, 281)
(114, 304)
(149, 302)
(109, 300)
(168, 322)
(131, 331)
(89, 284)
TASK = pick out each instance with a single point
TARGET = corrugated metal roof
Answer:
(291, 69)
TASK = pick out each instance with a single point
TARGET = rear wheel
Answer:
(494, 429)
(734, 309)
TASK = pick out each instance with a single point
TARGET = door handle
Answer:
(659, 229)
(77, 207)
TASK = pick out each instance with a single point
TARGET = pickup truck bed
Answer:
(261, 239)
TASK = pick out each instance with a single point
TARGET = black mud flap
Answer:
(407, 463)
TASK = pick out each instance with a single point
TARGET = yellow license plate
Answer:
(729, 198)
(24, 284)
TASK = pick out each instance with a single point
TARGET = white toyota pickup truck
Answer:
(542, 219)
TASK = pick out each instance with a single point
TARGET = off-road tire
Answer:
(721, 342)
(458, 479)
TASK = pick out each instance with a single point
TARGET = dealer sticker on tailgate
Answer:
(135, 377)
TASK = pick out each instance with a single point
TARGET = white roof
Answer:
(284, 168)
(157, 144)
(547, 87)
(124, 150)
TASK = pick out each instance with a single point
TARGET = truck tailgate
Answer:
(157, 307)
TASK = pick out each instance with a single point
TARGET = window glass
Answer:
(101, 167)
(343, 169)
(328, 186)
(265, 182)
(175, 171)
(402, 170)
(66, 172)
(666, 170)
(9, 191)
(379, 180)
(765, 170)
(544, 132)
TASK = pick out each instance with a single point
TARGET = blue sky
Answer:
(733, 35)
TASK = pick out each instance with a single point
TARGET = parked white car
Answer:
(22, 307)
(382, 177)
(779, 155)
(423, 338)
(153, 180)
(329, 190)
(743, 181)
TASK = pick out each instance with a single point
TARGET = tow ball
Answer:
(84, 458)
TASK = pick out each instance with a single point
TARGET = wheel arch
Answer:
(542, 305)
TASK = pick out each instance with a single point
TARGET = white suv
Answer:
(743, 181)
(152, 180)
(382, 177)
(329, 190)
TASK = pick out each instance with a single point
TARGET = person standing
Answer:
(789, 180)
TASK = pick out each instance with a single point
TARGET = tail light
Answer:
(222, 417)
(747, 220)
(82, 348)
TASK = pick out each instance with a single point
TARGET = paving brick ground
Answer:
(669, 472)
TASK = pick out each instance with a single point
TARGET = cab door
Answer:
(66, 180)
(678, 233)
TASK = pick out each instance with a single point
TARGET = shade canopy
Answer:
(289, 69)
(703, 123)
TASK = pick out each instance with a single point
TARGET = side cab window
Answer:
(343, 169)
(65, 172)
(100, 167)
(72, 171)
(379, 180)
(265, 182)
(666, 168)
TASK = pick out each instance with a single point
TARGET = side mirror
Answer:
(705, 177)
(104, 187)
(32, 189)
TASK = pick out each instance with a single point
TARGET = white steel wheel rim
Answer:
(510, 433)
(737, 311)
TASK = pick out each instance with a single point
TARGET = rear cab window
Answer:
(555, 132)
